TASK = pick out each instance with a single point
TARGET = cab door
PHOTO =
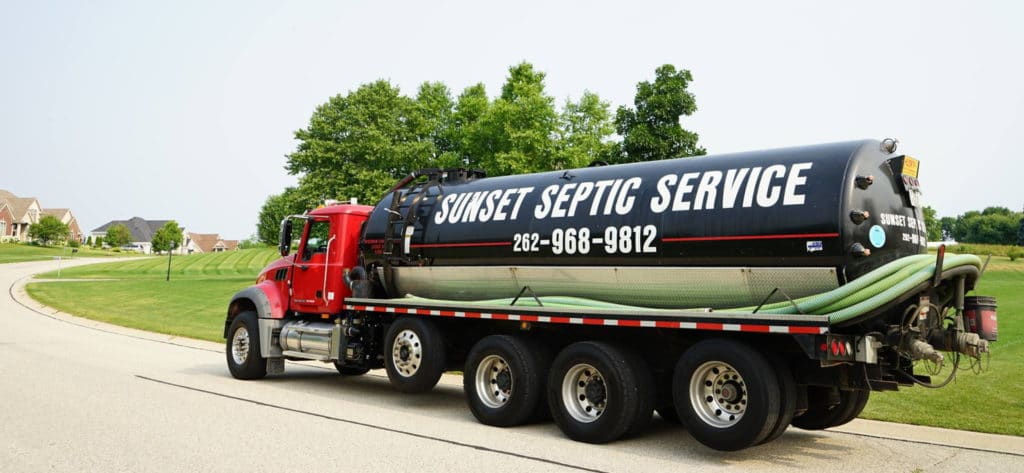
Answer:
(309, 269)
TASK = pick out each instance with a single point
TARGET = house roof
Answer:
(142, 230)
(228, 245)
(59, 213)
(19, 205)
(205, 241)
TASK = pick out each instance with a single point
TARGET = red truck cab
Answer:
(312, 279)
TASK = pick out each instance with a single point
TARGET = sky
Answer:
(186, 110)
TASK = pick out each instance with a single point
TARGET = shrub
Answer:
(74, 243)
(1015, 252)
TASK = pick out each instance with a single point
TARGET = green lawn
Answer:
(16, 252)
(193, 305)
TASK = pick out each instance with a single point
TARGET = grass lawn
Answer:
(16, 252)
(193, 305)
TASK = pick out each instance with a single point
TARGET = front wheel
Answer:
(243, 348)
(726, 394)
(414, 354)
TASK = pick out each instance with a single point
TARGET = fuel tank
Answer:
(711, 231)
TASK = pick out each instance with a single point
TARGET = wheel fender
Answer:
(263, 298)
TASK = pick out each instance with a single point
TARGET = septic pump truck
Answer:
(735, 294)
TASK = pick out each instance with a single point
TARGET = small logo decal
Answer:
(815, 245)
(877, 236)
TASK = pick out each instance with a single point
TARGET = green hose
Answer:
(862, 295)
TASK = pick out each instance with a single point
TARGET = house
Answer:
(67, 218)
(19, 213)
(208, 243)
(6, 221)
(24, 212)
(142, 231)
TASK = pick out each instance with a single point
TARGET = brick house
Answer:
(24, 212)
(6, 221)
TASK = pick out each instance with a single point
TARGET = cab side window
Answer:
(316, 239)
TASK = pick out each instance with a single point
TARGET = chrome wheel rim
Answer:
(584, 393)
(493, 381)
(406, 353)
(718, 394)
(240, 345)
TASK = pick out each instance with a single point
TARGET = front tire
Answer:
(414, 354)
(350, 371)
(599, 392)
(504, 380)
(243, 348)
(726, 394)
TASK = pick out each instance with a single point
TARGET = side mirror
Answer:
(284, 244)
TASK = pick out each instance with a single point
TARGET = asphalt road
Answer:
(77, 395)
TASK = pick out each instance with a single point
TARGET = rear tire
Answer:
(414, 354)
(243, 348)
(726, 394)
(787, 401)
(599, 392)
(822, 414)
(504, 380)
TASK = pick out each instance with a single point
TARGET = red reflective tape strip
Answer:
(448, 313)
(529, 318)
(593, 321)
(708, 326)
(560, 320)
(473, 315)
(666, 324)
(499, 316)
(462, 245)
(629, 323)
(782, 236)
(755, 328)
(805, 330)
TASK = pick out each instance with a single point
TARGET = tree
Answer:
(1020, 232)
(517, 133)
(931, 223)
(995, 225)
(47, 230)
(948, 225)
(651, 130)
(471, 144)
(118, 236)
(275, 209)
(167, 237)
(359, 144)
(584, 131)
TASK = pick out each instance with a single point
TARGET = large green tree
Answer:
(517, 133)
(357, 145)
(585, 129)
(117, 236)
(651, 129)
(48, 229)
(167, 237)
